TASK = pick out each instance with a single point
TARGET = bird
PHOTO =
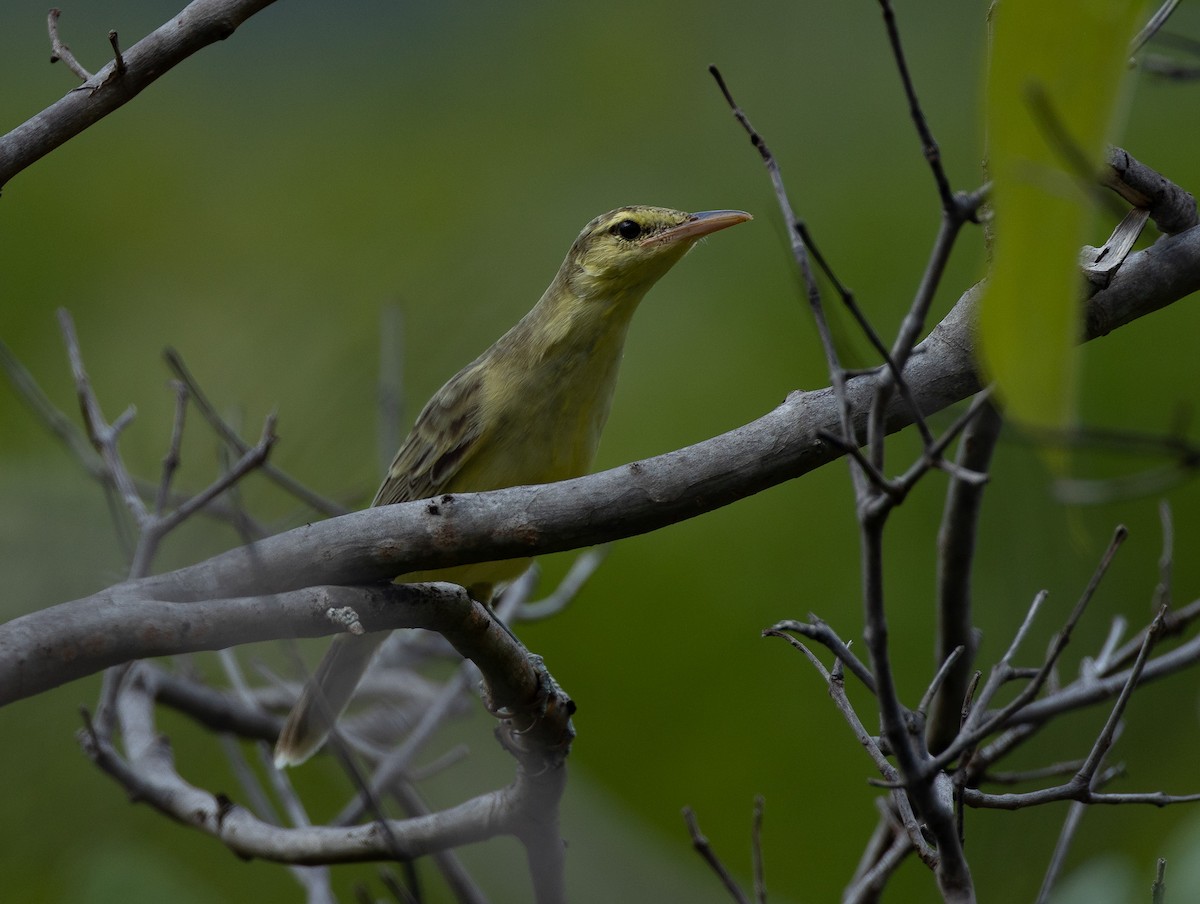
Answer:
(529, 410)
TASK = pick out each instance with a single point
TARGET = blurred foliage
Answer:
(258, 206)
(1052, 93)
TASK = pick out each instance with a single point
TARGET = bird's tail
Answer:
(324, 697)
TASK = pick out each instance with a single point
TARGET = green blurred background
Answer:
(260, 205)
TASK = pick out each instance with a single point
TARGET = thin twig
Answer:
(929, 145)
(398, 891)
(822, 633)
(154, 529)
(1153, 26)
(60, 51)
(980, 727)
(463, 888)
(1065, 837)
(1068, 767)
(199, 24)
(956, 545)
(313, 879)
(398, 761)
(938, 679)
(800, 253)
(103, 436)
(932, 455)
(118, 59)
(835, 682)
(230, 436)
(868, 329)
(881, 839)
(1158, 891)
(923, 786)
(1162, 591)
(868, 888)
(1099, 664)
(704, 849)
(756, 853)
(577, 576)
(1104, 742)
(171, 460)
(1082, 785)
(66, 431)
(870, 469)
(1176, 622)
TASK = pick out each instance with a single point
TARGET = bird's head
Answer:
(625, 251)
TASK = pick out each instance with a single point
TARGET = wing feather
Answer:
(446, 435)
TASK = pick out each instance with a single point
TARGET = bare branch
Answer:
(383, 542)
(1162, 592)
(118, 626)
(150, 774)
(929, 145)
(231, 438)
(980, 726)
(535, 728)
(939, 679)
(800, 253)
(581, 570)
(704, 849)
(822, 633)
(905, 818)
(118, 59)
(756, 854)
(59, 50)
(1176, 621)
(1158, 891)
(397, 762)
(957, 538)
(1065, 837)
(1054, 770)
(222, 712)
(1153, 26)
(1082, 786)
(867, 888)
(314, 879)
(102, 435)
(199, 24)
(155, 527)
(461, 885)
(171, 460)
(1172, 208)
(65, 430)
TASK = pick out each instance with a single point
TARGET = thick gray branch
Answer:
(149, 774)
(377, 544)
(199, 24)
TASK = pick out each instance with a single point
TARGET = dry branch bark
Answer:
(47, 648)
(199, 24)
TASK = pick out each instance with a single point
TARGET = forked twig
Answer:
(230, 436)
(59, 50)
(704, 849)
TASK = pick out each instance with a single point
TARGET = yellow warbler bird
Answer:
(529, 410)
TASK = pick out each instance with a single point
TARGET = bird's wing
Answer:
(446, 436)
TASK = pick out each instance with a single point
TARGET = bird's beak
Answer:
(697, 226)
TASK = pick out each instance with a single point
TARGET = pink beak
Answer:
(698, 226)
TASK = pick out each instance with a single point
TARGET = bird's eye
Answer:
(627, 229)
